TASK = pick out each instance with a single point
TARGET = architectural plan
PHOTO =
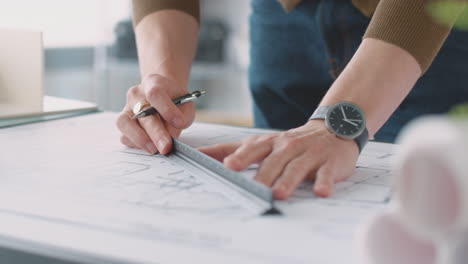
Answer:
(124, 205)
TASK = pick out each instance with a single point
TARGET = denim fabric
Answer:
(296, 56)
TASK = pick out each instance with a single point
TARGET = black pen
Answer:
(177, 101)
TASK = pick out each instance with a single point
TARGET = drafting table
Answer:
(70, 190)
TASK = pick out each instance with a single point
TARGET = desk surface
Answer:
(77, 194)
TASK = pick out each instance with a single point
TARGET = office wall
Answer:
(79, 36)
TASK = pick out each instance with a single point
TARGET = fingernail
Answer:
(178, 122)
(162, 143)
(321, 186)
(279, 192)
(233, 163)
(151, 148)
(322, 189)
(278, 188)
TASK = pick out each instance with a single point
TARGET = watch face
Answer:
(346, 120)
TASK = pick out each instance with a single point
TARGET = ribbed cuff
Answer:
(367, 7)
(288, 5)
(142, 8)
(407, 24)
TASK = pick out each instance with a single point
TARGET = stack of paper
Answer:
(69, 189)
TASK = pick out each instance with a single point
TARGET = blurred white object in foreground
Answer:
(427, 221)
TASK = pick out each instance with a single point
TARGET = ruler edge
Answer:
(269, 199)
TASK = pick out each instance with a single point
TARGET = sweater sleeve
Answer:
(142, 8)
(408, 24)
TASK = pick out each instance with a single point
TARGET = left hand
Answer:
(288, 158)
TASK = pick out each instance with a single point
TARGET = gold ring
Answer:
(138, 107)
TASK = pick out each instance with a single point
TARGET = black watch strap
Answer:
(321, 113)
(362, 139)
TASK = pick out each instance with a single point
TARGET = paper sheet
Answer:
(74, 173)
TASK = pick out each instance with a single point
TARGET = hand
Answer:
(288, 158)
(153, 133)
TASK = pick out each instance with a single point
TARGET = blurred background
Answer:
(90, 53)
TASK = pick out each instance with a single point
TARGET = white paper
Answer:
(73, 174)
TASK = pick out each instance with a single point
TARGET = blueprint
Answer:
(74, 174)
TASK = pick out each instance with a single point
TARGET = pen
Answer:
(177, 101)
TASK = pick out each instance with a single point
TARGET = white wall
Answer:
(82, 23)
(65, 22)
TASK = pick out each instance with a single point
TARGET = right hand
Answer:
(154, 133)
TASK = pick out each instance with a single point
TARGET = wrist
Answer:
(319, 125)
(377, 84)
(344, 120)
(162, 79)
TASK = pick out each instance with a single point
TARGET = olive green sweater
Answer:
(405, 23)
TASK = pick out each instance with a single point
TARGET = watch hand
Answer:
(346, 120)
(354, 120)
(342, 111)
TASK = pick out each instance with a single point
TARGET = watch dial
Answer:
(346, 120)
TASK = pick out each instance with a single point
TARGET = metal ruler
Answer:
(256, 194)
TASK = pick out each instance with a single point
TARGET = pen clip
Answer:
(190, 97)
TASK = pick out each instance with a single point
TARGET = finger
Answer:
(220, 151)
(133, 96)
(293, 175)
(333, 171)
(127, 142)
(273, 165)
(160, 100)
(174, 132)
(324, 180)
(188, 111)
(157, 132)
(247, 154)
(132, 130)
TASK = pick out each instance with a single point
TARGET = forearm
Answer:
(378, 78)
(166, 42)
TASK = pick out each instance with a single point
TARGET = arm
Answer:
(166, 36)
(166, 42)
(378, 78)
(399, 46)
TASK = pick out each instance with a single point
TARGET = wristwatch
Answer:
(345, 120)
